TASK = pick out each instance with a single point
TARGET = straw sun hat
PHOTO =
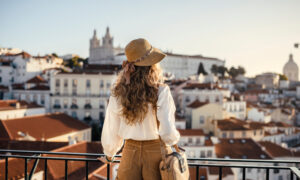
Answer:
(139, 52)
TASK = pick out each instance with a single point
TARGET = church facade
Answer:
(291, 70)
(175, 65)
(102, 52)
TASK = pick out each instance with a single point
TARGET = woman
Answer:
(137, 97)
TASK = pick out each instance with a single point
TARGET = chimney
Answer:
(17, 105)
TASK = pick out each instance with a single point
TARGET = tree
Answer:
(201, 69)
(214, 69)
(241, 70)
(234, 72)
(54, 54)
(222, 70)
(282, 77)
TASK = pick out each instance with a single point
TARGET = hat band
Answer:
(143, 57)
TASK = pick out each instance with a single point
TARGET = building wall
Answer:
(184, 66)
(96, 95)
(201, 117)
(73, 137)
(19, 113)
(41, 97)
(237, 108)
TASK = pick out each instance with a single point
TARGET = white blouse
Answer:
(115, 129)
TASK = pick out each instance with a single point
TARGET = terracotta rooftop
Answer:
(12, 105)
(36, 80)
(202, 86)
(257, 91)
(76, 169)
(240, 149)
(215, 171)
(191, 132)
(56, 168)
(40, 126)
(40, 88)
(197, 104)
(231, 124)
(31, 145)
(202, 173)
(2, 87)
(276, 150)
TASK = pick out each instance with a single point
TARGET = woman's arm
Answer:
(166, 116)
(110, 139)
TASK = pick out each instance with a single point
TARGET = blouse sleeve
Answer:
(166, 116)
(110, 139)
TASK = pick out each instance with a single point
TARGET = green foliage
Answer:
(282, 77)
(75, 62)
(234, 72)
(54, 54)
(201, 70)
(218, 70)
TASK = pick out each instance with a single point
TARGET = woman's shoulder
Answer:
(163, 88)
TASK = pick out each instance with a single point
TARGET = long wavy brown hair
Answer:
(142, 90)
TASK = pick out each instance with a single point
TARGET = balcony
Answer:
(195, 164)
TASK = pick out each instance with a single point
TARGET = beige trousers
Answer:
(140, 160)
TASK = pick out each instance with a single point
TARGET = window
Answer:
(65, 103)
(198, 141)
(74, 82)
(231, 135)
(88, 83)
(65, 83)
(74, 114)
(249, 170)
(42, 99)
(108, 85)
(202, 154)
(57, 83)
(190, 140)
(101, 84)
(244, 133)
(34, 98)
(254, 133)
(209, 153)
(56, 101)
(0, 79)
(224, 135)
(201, 119)
(187, 99)
(74, 91)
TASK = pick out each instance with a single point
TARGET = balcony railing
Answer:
(220, 163)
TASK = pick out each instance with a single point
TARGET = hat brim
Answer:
(154, 57)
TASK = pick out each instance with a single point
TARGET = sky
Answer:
(258, 35)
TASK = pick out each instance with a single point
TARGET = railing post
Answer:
(220, 173)
(197, 172)
(6, 168)
(108, 171)
(45, 169)
(66, 169)
(86, 170)
(244, 173)
(292, 175)
(25, 169)
(267, 173)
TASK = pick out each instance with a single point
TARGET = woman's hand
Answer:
(104, 160)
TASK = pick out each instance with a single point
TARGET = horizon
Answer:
(258, 36)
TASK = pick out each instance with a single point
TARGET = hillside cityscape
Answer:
(57, 103)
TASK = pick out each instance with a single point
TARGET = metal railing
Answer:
(220, 163)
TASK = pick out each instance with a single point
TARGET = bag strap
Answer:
(162, 144)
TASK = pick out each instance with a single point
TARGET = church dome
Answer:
(290, 69)
(290, 65)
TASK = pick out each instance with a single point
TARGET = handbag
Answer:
(173, 166)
